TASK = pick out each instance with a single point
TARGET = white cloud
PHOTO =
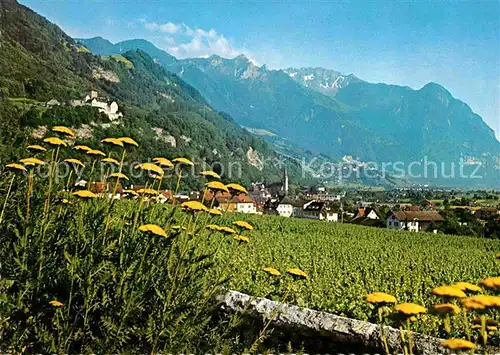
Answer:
(187, 42)
(168, 27)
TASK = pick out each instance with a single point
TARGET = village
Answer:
(317, 203)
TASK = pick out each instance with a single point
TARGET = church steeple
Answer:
(285, 181)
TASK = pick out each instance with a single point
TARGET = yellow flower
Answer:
(95, 152)
(84, 194)
(36, 147)
(183, 161)
(163, 162)
(446, 308)
(74, 161)
(156, 177)
(272, 271)
(472, 304)
(112, 161)
(458, 344)
(213, 227)
(216, 186)
(491, 328)
(214, 212)
(237, 188)
(56, 303)
(241, 238)
(226, 230)
(466, 286)
(82, 148)
(448, 291)
(484, 300)
(194, 206)
(64, 200)
(131, 192)
(380, 297)
(151, 167)
(119, 176)
(210, 173)
(147, 192)
(410, 309)
(114, 141)
(298, 273)
(244, 225)
(128, 140)
(491, 282)
(65, 130)
(32, 161)
(153, 228)
(55, 141)
(16, 166)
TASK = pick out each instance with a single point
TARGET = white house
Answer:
(246, 207)
(52, 103)
(414, 221)
(285, 207)
(240, 203)
(319, 210)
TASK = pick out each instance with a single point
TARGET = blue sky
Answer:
(454, 43)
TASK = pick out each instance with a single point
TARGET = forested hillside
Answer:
(164, 114)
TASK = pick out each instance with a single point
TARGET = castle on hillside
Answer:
(92, 99)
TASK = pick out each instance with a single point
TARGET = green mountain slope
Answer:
(164, 114)
(102, 46)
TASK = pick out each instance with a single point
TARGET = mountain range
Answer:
(220, 110)
(327, 112)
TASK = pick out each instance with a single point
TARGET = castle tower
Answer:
(93, 93)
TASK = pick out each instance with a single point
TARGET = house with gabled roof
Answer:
(241, 203)
(413, 221)
(320, 210)
(368, 212)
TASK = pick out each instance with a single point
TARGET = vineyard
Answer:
(346, 262)
(83, 272)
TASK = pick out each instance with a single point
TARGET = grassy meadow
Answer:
(82, 272)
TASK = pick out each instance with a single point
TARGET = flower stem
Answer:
(177, 186)
(410, 340)
(382, 330)
(7, 198)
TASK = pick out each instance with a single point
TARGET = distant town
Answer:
(473, 213)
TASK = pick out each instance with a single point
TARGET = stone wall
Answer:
(327, 327)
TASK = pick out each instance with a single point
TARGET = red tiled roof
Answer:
(224, 197)
(100, 187)
(167, 193)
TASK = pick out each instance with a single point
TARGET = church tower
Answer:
(285, 181)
